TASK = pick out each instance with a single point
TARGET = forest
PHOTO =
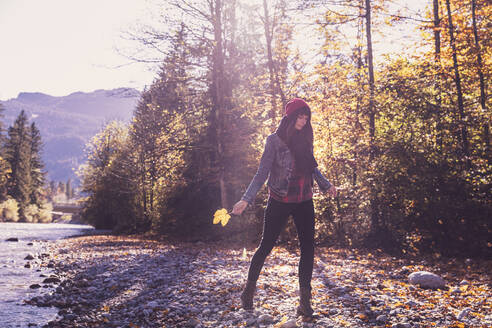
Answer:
(22, 174)
(404, 135)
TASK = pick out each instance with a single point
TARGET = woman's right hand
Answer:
(239, 207)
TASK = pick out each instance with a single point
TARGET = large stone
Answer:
(12, 239)
(426, 280)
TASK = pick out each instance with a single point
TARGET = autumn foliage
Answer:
(405, 135)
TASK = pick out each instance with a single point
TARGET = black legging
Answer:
(276, 215)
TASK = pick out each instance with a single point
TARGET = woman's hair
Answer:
(286, 129)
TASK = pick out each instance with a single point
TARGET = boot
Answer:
(247, 295)
(304, 307)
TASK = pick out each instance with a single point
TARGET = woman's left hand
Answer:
(332, 191)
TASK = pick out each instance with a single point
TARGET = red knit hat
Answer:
(293, 105)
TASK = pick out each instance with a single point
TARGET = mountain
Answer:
(68, 123)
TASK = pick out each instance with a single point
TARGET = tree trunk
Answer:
(271, 68)
(437, 82)
(218, 99)
(371, 111)
(483, 95)
(461, 111)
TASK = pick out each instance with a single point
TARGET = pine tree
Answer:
(61, 187)
(4, 165)
(18, 154)
(36, 166)
(68, 189)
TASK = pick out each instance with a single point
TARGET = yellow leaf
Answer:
(221, 216)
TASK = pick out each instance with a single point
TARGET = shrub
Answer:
(9, 210)
(31, 213)
(44, 214)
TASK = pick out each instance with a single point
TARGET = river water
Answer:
(15, 279)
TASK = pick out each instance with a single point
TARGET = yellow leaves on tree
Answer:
(221, 216)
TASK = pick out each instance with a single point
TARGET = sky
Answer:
(62, 46)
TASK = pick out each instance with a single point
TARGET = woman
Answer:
(289, 164)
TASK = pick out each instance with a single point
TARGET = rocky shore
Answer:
(111, 281)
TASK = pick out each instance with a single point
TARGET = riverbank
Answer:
(22, 249)
(112, 281)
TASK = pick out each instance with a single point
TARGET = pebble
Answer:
(250, 322)
(289, 324)
(123, 281)
(51, 280)
(401, 325)
(382, 318)
(464, 313)
(265, 319)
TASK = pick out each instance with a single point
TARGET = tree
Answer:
(480, 69)
(459, 91)
(68, 189)
(18, 154)
(107, 180)
(61, 187)
(36, 166)
(4, 165)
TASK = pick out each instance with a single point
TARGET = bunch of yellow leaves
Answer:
(221, 216)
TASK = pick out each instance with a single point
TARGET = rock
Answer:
(82, 283)
(382, 318)
(289, 324)
(27, 265)
(193, 322)
(464, 283)
(426, 280)
(265, 319)
(12, 239)
(35, 286)
(411, 303)
(152, 305)
(92, 289)
(401, 325)
(51, 280)
(29, 257)
(250, 322)
(30, 244)
(463, 314)
(70, 316)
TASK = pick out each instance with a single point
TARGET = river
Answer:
(15, 279)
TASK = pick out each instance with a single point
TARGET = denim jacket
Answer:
(276, 165)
